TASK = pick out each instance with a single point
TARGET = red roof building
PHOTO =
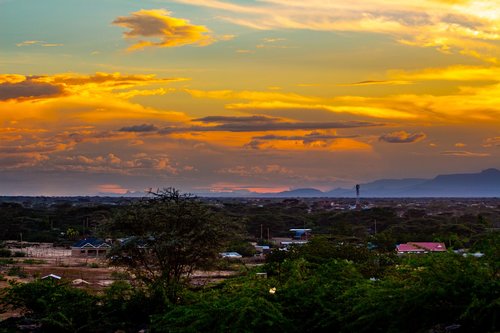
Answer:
(420, 247)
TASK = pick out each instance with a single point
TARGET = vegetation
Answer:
(304, 293)
(167, 237)
(346, 279)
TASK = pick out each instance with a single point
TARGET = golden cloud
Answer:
(492, 142)
(469, 27)
(250, 95)
(157, 23)
(452, 73)
(14, 86)
(463, 153)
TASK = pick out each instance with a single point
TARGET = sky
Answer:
(118, 96)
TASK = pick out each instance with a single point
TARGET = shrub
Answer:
(17, 271)
(5, 253)
(6, 261)
(33, 261)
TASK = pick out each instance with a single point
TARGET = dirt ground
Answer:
(42, 260)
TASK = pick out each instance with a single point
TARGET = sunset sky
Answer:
(110, 96)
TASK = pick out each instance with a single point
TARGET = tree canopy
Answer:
(166, 236)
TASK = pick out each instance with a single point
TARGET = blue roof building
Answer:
(90, 247)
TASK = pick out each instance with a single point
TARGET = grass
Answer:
(6, 261)
(17, 271)
(34, 261)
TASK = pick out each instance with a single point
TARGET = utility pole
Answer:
(267, 235)
(375, 227)
(261, 233)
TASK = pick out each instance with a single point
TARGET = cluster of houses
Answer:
(98, 248)
(420, 247)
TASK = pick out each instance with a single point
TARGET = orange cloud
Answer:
(171, 31)
(463, 153)
(114, 164)
(492, 142)
(452, 73)
(112, 189)
(225, 187)
(286, 144)
(14, 86)
(250, 95)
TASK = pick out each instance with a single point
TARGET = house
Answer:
(230, 255)
(301, 234)
(90, 247)
(420, 247)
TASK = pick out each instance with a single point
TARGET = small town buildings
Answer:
(90, 248)
(420, 247)
(231, 255)
(301, 234)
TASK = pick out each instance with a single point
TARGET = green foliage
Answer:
(58, 307)
(241, 306)
(19, 254)
(424, 292)
(6, 261)
(34, 261)
(17, 271)
(5, 253)
(241, 246)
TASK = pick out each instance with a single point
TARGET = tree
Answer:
(168, 235)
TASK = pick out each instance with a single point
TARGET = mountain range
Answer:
(483, 184)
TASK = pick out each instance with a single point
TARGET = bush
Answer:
(34, 261)
(59, 308)
(5, 253)
(19, 254)
(6, 261)
(17, 271)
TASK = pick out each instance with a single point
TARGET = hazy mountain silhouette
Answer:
(301, 192)
(483, 184)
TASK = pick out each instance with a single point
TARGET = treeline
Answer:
(50, 224)
(63, 223)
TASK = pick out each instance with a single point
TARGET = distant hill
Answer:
(483, 184)
(300, 192)
(382, 187)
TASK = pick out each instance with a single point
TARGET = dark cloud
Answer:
(139, 128)
(287, 126)
(402, 137)
(227, 119)
(28, 89)
(324, 138)
(250, 124)
(375, 82)
(308, 138)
